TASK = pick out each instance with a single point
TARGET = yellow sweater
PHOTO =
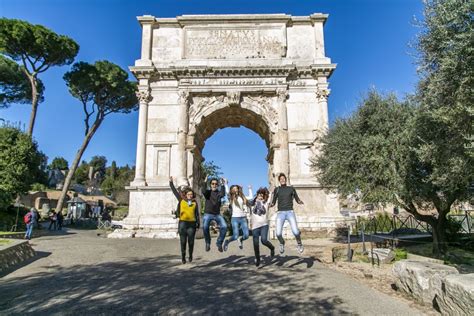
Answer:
(187, 212)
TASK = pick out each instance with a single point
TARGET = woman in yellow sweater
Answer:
(188, 214)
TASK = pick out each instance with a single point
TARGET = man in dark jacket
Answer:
(212, 211)
(285, 195)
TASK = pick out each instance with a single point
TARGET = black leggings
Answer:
(187, 231)
(257, 233)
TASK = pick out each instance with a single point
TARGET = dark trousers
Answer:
(187, 231)
(52, 224)
(261, 233)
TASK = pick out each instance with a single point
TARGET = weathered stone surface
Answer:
(421, 279)
(456, 295)
(15, 252)
(383, 254)
(198, 74)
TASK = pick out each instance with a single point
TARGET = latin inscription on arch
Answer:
(221, 42)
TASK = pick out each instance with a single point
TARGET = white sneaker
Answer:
(282, 248)
(300, 248)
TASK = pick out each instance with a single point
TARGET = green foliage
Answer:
(102, 88)
(400, 254)
(59, 163)
(14, 84)
(115, 182)
(98, 163)
(364, 152)
(81, 176)
(36, 48)
(20, 163)
(210, 169)
(38, 45)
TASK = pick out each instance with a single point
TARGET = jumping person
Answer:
(212, 212)
(188, 214)
(285, 195)
(259, 220)
(238, 206)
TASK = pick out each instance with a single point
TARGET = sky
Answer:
(369, 40)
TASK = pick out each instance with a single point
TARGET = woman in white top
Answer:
(259, 220)
(238, 206)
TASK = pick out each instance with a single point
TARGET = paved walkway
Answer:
(78, 271)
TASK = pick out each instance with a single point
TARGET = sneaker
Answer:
(241, 243)
(219, 247)
(226, 245)
(282, 248)
(208, 247)
(272, 252)
(300, 248)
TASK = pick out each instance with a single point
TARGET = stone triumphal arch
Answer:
(200, 73)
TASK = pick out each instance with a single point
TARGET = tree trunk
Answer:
(75, 164)
(34, 103)
(439, 236)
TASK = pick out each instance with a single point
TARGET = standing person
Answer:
(60, 218)
(285, 195)
(29, 219)
(259, 220)
(52, 220)
(212, 212)
(188, 214)
(238, 206)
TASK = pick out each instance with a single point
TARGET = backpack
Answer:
(27, 218)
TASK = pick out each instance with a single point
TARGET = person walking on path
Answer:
(29, 219)
(259, 221)
(188, 213)
(285, 194)
(238, 204)
(60, 219)
(212, 211)
(53, 220)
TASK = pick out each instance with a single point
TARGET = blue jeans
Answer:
(282, 216)
(29, 230)
(222, 227)
(236, 223)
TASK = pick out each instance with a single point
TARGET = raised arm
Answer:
(274, 199)
(205, 190)
(173, 189)
(250, 196)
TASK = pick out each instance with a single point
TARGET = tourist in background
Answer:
(259, 221)
(29, 219)
(285, 194)
(212, 211)
(238, 206)
(53, 217)
(188, 213)
(60, 219)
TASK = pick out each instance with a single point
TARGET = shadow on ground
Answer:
(162, 285)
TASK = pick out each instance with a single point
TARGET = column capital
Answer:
(144, 95)
(322, 94)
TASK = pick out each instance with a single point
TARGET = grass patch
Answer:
(4, 242)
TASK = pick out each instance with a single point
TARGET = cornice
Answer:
(176, 73)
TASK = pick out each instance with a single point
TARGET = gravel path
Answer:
(77, 271)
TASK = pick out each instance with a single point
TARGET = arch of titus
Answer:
(200, 73)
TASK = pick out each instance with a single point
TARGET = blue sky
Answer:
(368, 39)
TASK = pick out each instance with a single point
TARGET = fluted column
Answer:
(322, 94)
(144, 96)
(182, 135)
(284, 154)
